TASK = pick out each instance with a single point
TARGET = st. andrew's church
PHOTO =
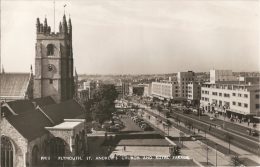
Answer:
(40, 118)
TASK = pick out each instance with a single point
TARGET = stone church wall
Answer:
(18, 141)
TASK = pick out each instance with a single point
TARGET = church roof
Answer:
(19, 106)
(65, 110)
(30, 124)
(14, 84)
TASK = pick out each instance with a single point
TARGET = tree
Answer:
(159, 109)
(228, 137)
(177, 119)
(87, 106)
(236, 161)
(169, 104)
(167, 115)
(207, 149)
(169, 123)
(102, 104)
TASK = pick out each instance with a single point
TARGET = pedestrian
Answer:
(124, 148)
(198, 130)
(258, 151)
(209, 127)
(224, 135)
(248, 122)
(109, 149)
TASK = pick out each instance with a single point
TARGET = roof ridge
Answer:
(57, 103)
(45, 115)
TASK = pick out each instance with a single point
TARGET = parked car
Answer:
(137, 121)
(212, 118)
(113, 129)
(148, 128)
(144, 125)
(120, 126)
(133, 117)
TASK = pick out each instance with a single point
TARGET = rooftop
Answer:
(14, 84)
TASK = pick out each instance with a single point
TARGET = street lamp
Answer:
(216, 146)
(224, 108)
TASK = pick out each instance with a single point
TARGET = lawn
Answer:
(220, 148)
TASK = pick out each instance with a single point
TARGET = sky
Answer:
(139, 36)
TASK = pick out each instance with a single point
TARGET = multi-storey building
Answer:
(174, 88)
(90, 86)
(221, 75)
(147, 90)
(136, 89)
(122, 88)
(183, 79)
(236, 100)
(194, 92)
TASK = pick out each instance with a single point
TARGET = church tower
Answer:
(54, 61)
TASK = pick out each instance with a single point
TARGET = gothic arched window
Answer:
(50, 49)
(57, 148)
(35, 153)
(6, 152)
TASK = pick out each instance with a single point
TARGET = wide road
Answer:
(237, 129)
(240, 138)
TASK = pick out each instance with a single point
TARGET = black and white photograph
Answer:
(95, 83)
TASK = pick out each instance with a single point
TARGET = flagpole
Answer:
(54, 15)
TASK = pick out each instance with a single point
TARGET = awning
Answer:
(239, 112)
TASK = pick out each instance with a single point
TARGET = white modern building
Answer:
(236, 100)
(174, 88)
(194, 92)
(221, 75)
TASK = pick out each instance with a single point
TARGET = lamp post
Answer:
(224, 109)
(216, 146)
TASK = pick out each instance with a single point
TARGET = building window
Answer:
(239, 104)
(234, 94)
(6, 152)
(257, 96)
(245, 105)
(257, 106)
(220, 94)
(245, 95)
(239, 95)
(234, 103)
(57, 148)
(226, 95)
(51, 81)
(35, 153)
(50, 49)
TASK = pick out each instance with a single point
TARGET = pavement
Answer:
(244, 124)
(195, 150)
